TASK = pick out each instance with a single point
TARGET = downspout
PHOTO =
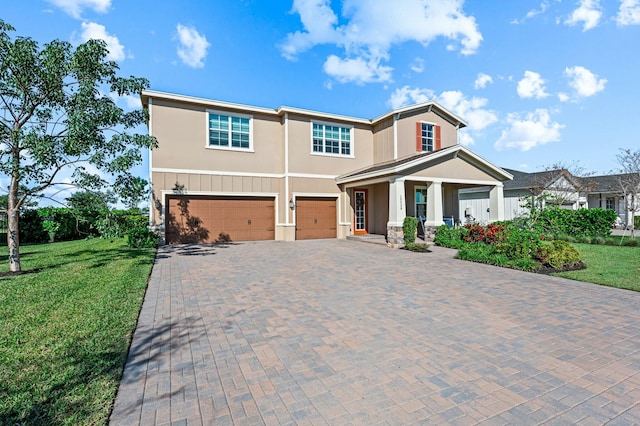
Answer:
(286, 166)
(152, 204)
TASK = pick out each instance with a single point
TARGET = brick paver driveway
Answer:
(339, 332)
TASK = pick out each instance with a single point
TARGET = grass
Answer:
(66, 329)
(613, 266)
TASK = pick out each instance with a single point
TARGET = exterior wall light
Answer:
(292, 204)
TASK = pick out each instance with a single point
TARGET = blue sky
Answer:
(539, 82)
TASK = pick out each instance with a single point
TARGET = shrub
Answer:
(562, 237)
(142, 238)
(584, 239)
(519, 243)
(571, 239)
(475, 233)
(597, 240)
(636, 222)
(630, 243)
(409, 227)
(449, 237)
(591, 222)
(31, 229)
(417, 247)
(612, 241)
(558, 255)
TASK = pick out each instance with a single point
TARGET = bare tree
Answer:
(629, 183)
(560, 184)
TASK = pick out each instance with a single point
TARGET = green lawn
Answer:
(613, 266)
(66, 329)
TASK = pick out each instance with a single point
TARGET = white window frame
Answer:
(433, 137)
(330, 154)
(231, 115)
(613, 201)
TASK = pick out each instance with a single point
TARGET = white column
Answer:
(496, 203)
(397, 203)
(434, 204)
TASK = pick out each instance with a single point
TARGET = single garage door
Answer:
(315, 218)
(201, 219)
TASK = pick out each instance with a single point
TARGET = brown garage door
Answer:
(315, 218)
(200, 219)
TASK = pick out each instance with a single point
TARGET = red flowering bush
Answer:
(475, 233)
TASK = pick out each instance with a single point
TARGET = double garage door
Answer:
(205, 219)
(201, 219)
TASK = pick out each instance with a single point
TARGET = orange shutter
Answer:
(438, 142)
(419, 136)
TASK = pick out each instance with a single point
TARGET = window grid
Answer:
(427, 137)
(331, 139)
(225, 129)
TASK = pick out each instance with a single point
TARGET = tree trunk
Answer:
(13, 240)
(13, 218)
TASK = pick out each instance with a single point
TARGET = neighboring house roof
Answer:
(540, 180)
(430, 106)
(402, 164)
(608, 183)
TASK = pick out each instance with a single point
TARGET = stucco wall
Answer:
(407, 132)
(182, 133)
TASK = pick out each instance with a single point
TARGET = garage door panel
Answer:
(315, 218)
(193, 219)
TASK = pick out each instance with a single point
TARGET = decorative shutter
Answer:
(437, 137)
(419, 136)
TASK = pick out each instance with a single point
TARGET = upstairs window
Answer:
(330, 139)
(231, 131)
(427, 137)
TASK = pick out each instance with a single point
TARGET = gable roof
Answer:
(538, 180)
(430, 106)
(403, 164)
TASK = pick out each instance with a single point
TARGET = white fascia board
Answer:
(419, 106)
(400, 168)
(207, 102)
(322, 115)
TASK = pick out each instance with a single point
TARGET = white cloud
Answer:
(533, 12)
(588, 13)
(91, 30)
(629, 13)
(528, 131)
(464, 138)
(193, 46)
(563, 97)
(356, 70)
(129, 101)
(472, 110)
(482, 80)
(76, 7)
(418, 65)
(584, 82)
(406, 96)
(532, 86)
(370, 29)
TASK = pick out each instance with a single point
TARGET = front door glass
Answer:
(361, 224)
(421, 203)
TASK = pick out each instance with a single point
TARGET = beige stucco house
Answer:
(224, 170)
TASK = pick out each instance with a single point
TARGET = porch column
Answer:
(434, 204)
(496, 203)
(397, 213)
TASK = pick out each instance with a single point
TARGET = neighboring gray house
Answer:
(570, 192)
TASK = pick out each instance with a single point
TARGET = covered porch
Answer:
(424, 186)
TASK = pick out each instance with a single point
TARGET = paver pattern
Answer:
(341, 332)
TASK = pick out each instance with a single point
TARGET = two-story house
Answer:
(229, 171)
